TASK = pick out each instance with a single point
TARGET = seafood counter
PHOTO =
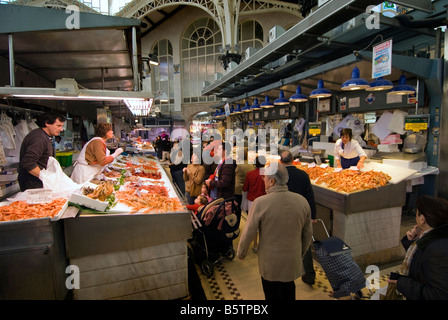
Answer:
(128, 237)
(362, 207)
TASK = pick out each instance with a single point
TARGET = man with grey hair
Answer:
(299, 182)
(283, 220)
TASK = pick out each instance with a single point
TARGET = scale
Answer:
(415, 142)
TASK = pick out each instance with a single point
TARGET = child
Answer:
(205, 192)
(199, 202)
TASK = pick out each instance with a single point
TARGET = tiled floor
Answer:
(240, 279)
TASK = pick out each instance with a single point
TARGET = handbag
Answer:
(392, 293)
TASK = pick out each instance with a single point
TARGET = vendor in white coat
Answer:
(348, 152)
(94, 156)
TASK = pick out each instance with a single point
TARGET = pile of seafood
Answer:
(136, 182)
(19, 210)
(346, 180)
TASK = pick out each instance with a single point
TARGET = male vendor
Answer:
(36, 148)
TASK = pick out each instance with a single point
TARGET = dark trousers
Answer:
(277, 290)
(308, 266)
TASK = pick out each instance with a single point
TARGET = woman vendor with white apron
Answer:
(348, 152)
(94, 156)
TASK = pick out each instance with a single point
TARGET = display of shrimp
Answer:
(352, 180)
(346, 180)
(148, 202)
(154, 189)
(19, 210)
(104, 189)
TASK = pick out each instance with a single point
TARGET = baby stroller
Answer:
(215, 227)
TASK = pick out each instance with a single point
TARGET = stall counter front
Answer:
(130, 256)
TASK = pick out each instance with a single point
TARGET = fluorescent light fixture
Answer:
(139, 108)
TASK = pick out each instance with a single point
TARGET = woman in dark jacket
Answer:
(425, 266)
(223, 183)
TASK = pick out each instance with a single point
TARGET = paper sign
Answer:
(382, 59)
(39, 196)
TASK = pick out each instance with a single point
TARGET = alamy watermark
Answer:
(73, 21)
(192, 150)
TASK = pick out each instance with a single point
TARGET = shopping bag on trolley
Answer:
(343, 273)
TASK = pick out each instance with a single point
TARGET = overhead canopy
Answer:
(98, 55)
(320, 39)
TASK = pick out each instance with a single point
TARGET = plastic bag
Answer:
(55, 179)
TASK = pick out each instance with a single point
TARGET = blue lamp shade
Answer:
(380, 84)
(255, 106)
(402, 88)
(320, 91)
(298, 96)
(267, 104)
(281, 101)
(355, 83)
(247, 107)
(238, 109)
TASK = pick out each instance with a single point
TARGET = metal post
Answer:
(12, 79)
(134, 58)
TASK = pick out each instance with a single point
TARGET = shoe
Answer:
(308, 281)
(255, 249)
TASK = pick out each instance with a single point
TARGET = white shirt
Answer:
(351, 150)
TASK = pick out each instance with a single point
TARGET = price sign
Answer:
(314, 128)
(38, 196)
(416, 123)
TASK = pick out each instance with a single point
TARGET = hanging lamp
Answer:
(320, 91)
(255, 105)
(402, 88)
(238, 109)
(246, 107)
(266, 104)
(355, 83)
(298, 96)
(281, 101)
(380, 84)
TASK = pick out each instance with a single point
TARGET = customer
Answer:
(166, 146)
(177, 165)
(193, 176)
(242, 168)
(94, 156)
(223, 183)
(425, 267)
(199, 202)
(36, 148)
(299, 182)
(283, 219)
(254, 186)
(348, 152)
(208, 160)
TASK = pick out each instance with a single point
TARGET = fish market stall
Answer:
(32, 250)
(363, 207)
(136, 249)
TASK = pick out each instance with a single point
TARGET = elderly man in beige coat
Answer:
(283, 220)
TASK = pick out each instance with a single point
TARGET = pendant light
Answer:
(255, 106)
(355, 83)
(281, 101)
(247, 107)
(298, 96)
(320, 91)
(238, 109)
(402, 88)
(266, 104)
(380, 84)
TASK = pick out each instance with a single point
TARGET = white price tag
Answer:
(39, 196)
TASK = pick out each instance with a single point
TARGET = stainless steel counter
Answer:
(32, 260)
